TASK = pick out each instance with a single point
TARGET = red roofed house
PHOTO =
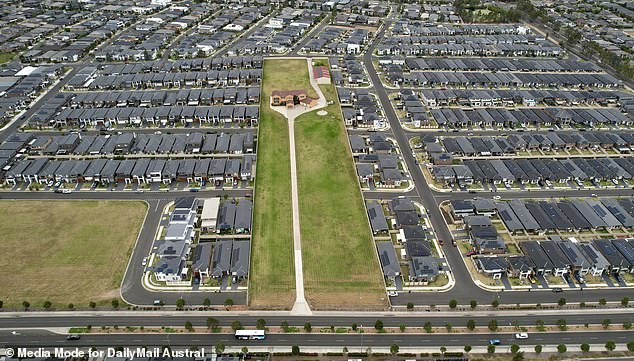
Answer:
(291, 97)
(321, 74)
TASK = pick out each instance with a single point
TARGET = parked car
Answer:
(144, 262)
(158, 303)
(453, 243)
(521, 336)
(67, 191)
(193, 190)
(441, 242)
(392, 293)
(557, 289)
(471, 253)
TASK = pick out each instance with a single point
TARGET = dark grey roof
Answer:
(389, 260)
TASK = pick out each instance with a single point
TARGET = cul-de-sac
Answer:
(331, 180)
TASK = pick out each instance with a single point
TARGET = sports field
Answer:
(272, 276)
(341, 269)
(65, 251)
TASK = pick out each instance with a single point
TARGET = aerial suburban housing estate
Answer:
(361, 180)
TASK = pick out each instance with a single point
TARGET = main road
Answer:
(33, 339)
(318, 319)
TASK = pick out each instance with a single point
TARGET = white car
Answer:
(144, 263)
(521, 336)
(67, 191)
(497, 198)
(392, 293)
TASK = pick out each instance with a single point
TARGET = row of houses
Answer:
(186, 65)
(551, 141)
(142, 144)
(177, 256)
(527, 117)
(163, 115)
(201, 79)
(380, 170)
(560, 257)
(419, 28)
(566, 215)
(155, 98)
(347, 71)
(534, 171)
(141, 171)
(514, 65)
(526, 97)
(417, 252)
(472, 79)
(394, 47)
(360, 108)
(173, 250)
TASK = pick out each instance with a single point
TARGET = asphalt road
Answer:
(44, 339)
(457, 319)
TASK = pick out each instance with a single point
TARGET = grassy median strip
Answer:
(65, 251)
(272, 279)
(341, 269)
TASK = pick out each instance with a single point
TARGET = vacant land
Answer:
(272, 279)
(65, 251)
(341, 269)
(285, 74)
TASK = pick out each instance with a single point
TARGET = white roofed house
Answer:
(209, 215)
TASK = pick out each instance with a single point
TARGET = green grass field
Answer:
(272, 278)
(6, 57)
(286, 75)
(65, 251)
(341, 269)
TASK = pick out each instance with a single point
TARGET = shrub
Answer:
(585, 347)
(515, 347)
(236, 325)
(261, 324)
(561, 348)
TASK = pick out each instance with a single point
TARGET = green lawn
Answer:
(341, 269)
(286, 75)
(6, 57)
(65, 251)
(272, 279)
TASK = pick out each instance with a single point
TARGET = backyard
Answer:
(65, 251)
(272, 278)
(340, 261)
